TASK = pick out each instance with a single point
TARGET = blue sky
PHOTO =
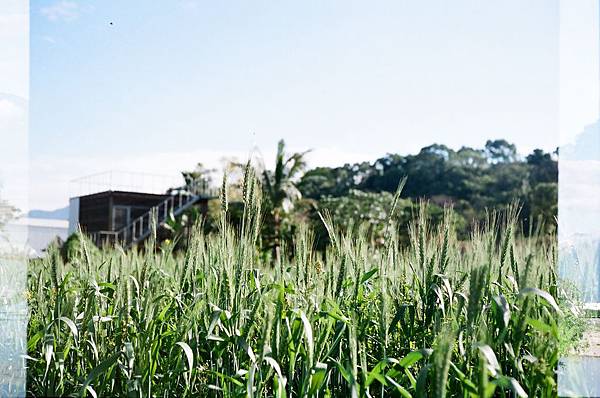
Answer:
(171, 83)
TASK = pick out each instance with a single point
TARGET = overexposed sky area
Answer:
(14, 94)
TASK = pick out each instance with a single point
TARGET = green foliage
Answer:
(500, 151)
(469, 180)
(179, 229)
(71, 248)
(199, 178)
(369, 211)
(279, 185)
(280, 191)
(472, 180)
(72, 251)
(326, 181)
(438, 318)
(543, 199)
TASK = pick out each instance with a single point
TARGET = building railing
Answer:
(116, 180)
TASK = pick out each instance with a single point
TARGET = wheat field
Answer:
(440, 317)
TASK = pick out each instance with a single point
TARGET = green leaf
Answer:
(513, 384)
(414, 356)
(226, 377)
(71, 326)
(91, 391)
(401, 390)
(467, 384)
(543, 294)
(541, 326)
(308, 338)
(517, 389)
(377, 373)
(346, 374)
(33, 340)
(161, 315)
(188, 353)
(281, 380)
(503, 306)
(368, 275)
(99, 370)
(492, 362)
(317, 378)
(422, 379)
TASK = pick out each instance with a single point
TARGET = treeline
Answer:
(470, 181)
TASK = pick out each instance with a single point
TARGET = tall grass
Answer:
(437, 318)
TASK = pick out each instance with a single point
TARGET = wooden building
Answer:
(113, 210)
(127, 217)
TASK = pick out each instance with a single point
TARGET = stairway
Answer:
(181, 199)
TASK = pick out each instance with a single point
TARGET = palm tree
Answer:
(280, 189)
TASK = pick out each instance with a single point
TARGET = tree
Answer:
(338, 181)
(386, 173)
(470, 157)
(280, 189)
(430, 165)
(543, 202)
(500, 151)
(325, 181)
(505, 183)
(197, 179)
(543, 169)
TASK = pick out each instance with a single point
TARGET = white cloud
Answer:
(63, 10)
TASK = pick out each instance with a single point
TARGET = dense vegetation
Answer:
(473, 180)
(435, 317)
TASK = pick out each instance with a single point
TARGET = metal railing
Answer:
(117, 180)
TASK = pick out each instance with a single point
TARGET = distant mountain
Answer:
(58, 214)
